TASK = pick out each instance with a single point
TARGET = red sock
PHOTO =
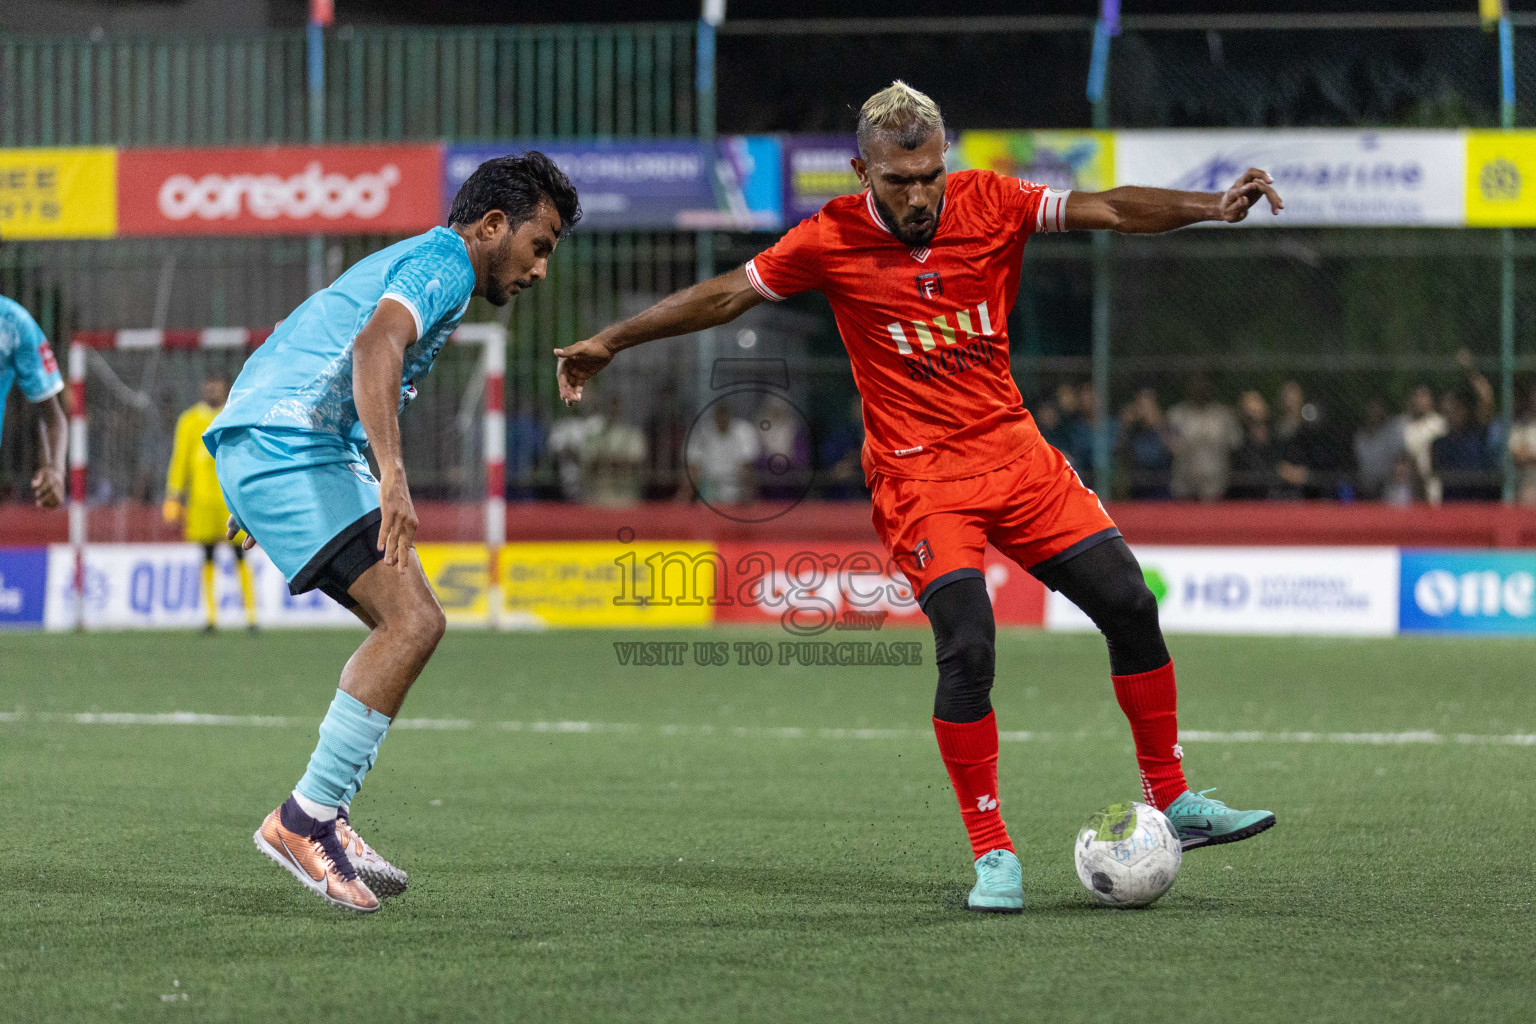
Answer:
(969, 750)
(1150, 700)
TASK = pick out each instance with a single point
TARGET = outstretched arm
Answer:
(706, 304)
(1131, 209)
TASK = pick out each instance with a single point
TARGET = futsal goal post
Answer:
(135, 381)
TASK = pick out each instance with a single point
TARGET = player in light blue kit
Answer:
(287, 447)
(26, 360)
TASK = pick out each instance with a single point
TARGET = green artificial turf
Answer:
(703, 851)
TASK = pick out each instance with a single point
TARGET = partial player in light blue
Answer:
(25, 358)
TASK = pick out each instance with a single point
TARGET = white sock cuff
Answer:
(318, 811)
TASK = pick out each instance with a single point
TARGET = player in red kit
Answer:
(921, 270)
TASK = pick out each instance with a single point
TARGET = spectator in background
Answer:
(1522, 447)
(613, 459)
(1065, 426)
(1144, 445)
(1405, 486)
(525, 448)
(1464, 464)
(1202, 433)
(841, 469)
(784, 450)
(666, 431)
(721, 450)
(1312, 457)
(567, 439)
(1465, 467)
(1378, 443)
(1422, 425)
(1253, 461)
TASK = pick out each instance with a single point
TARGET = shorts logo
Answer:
(923, 554)
(929, 286)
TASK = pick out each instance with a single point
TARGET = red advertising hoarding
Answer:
(831, 586)
(279, 190)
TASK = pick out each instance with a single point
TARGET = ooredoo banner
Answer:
(1252, 591)
(1326, 177)
(279, 190)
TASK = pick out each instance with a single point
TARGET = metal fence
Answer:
(380, 85)
(1347, 314)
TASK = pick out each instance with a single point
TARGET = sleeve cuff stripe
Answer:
(410, 307)
(756, 281)
(57, 387)
(1052, 213)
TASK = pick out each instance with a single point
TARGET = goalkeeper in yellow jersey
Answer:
(192, 495)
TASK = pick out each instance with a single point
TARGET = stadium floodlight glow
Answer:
(491, 337)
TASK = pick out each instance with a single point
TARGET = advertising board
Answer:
(1325, 176)
(1458, 591)
(280, 190)
(1255, 591)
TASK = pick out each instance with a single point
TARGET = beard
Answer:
(495, 293)
(908, 235)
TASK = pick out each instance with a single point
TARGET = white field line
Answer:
(760, 732)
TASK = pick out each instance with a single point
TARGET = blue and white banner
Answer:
(23, 582)
(1455, 591)
(1325, 176)
(159, 586)
(653, 184)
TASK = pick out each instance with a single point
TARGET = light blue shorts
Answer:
(303, 495)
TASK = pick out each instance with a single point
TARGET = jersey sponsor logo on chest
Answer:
(945, 329)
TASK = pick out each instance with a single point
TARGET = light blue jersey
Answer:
(301, 377)
(25, 358)
(288, 446)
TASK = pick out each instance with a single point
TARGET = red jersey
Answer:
(925, 329)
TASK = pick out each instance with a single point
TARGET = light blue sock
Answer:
(350, 736)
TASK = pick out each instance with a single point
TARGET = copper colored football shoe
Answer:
(382, 878)
(311, 852)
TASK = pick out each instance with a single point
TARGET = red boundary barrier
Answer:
(1236, 523)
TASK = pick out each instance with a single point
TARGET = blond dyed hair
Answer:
(899, 114)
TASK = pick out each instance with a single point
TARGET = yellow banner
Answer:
(1060, 159)
(609, 584)
(58, 193)
(460, 575)
(1501, 179)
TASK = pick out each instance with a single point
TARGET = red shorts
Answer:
(1035, 510)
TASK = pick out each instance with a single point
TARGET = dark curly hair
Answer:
(516, 185)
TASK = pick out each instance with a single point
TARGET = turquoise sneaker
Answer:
(1202, 821)
(999, 884)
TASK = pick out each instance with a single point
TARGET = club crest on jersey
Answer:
(922, 554)
(929, 286)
